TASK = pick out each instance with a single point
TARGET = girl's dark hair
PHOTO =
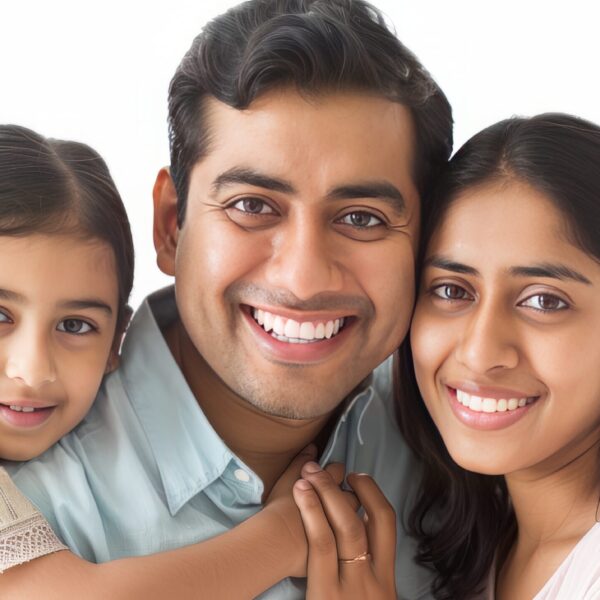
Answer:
(55, 187)
(316, 46)
(461, 518)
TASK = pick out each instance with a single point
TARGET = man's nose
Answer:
(489, 340)
(305, 259)
(29, 358)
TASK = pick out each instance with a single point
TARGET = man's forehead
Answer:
(347, 138)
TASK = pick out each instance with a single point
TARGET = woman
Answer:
(506, 355)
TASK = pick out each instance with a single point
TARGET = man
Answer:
(303, 137)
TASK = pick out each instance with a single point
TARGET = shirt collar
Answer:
(188, 452)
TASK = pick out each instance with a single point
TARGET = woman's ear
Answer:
(115, 352)
(166, 230)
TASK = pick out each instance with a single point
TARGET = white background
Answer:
(98, 72)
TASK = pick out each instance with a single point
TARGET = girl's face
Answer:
(505, 333)
(58, 311)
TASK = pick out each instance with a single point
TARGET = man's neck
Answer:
(266, 443)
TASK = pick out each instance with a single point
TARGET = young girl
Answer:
(67, 271)
(506, 355)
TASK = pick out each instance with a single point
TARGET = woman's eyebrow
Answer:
(554, 271)
(441, 262)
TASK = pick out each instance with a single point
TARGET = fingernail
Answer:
(302, 484)
(312, 467)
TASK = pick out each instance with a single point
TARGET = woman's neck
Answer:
(558, 499)
(555, 504)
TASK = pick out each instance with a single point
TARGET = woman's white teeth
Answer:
(491, 405)
(25, 409)
(295, 332)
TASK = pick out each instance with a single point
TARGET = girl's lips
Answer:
(478, 419)
(25, 419)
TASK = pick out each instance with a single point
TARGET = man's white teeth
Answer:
(292, 331)
(491, 405)
(26, 409)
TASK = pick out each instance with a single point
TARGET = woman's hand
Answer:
(348, 556)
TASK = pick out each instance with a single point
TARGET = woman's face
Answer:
(505, 336)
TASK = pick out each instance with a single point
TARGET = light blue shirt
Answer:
(145, 471)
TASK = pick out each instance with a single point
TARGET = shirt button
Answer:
(241, 475)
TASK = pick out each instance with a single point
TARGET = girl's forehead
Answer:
(48, 267)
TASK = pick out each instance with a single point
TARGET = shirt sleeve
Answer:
(24, 532)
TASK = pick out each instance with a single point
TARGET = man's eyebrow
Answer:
(442, 262)
(85, 303)
(382, 190)
(554, 271)
(251, 177)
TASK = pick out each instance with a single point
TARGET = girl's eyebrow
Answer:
(552, 271)
(79, 304)
(82, 304)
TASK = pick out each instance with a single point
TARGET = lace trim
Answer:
(26, 540)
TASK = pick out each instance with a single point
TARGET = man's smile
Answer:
(294, 331)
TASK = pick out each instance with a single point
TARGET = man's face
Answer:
(295, 262)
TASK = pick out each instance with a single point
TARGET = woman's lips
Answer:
(488, 413)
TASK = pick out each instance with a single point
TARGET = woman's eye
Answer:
(4, 318)
(451, 291)
(544, 303)
(74, 326)
(361, 220)
(253, 206)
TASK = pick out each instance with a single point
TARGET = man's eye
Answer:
(74, 326)
(450, 291)
(544, 303)
(253, 206)
(361, 219)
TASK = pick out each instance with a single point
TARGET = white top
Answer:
(24, 533)
(577, 578)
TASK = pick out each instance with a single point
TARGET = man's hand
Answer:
(348, 556)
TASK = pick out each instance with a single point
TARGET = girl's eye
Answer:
(75, 326)
(361, 220)
(451, 291)
(253, 206)
(4, 318)
(544, 303)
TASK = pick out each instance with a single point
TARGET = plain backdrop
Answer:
(98, 72)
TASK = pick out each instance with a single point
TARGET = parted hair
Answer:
(56, 186)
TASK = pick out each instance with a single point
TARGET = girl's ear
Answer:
(165, 221)
(115, 352)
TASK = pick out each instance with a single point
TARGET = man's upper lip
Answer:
(28, 402)
(301, 316)
(490, 391)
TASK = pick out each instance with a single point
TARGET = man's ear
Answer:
(115, 352)
(165, 230)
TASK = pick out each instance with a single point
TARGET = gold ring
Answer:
(359, 558)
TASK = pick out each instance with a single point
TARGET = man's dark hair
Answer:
(315, 45)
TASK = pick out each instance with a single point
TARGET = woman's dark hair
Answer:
(56, 187)
(461, 518)
(316, 46)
